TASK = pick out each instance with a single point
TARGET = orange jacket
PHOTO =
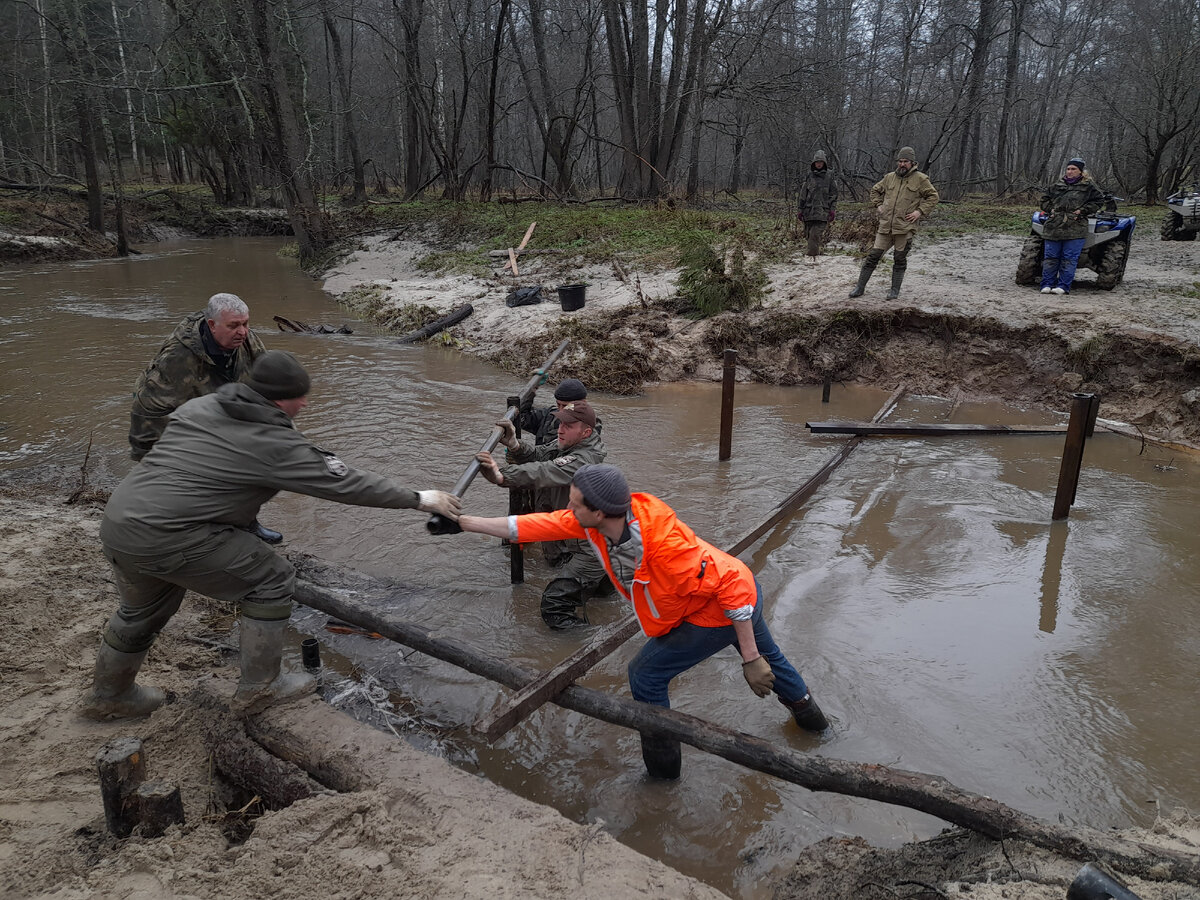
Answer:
(679, 578)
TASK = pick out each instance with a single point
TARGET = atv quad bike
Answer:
(1105, 249)
(1183, 215)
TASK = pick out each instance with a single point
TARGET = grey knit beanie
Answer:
(907, 153)
(570, 389)
(603, 487)
(278, 375)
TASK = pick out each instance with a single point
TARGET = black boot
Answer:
(264, 534)
(807, 714)
(560, 599)
(864, 274)
(663, 757)
(900, 265)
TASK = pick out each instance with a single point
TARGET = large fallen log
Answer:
(943, 429)
(924, 793)
(425, 331)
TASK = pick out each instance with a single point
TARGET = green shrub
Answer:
(711, 285)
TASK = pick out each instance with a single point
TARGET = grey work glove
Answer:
(439, 502)
(508, 434)
(759, 676)
(488, 468)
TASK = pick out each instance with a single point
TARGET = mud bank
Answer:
(962, 324)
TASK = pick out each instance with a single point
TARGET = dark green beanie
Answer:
(278, 375)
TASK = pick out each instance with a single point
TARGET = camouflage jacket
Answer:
(549, 470)
(182, 371)
(224, 456)
(1061, 200)
(818, 196)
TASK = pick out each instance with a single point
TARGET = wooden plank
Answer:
(512, 253)
(512, 261)
(942, 429)
(552, 682)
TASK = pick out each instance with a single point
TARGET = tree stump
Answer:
(122, 768)
(159, 806)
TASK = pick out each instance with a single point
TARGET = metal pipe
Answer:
(516, 502)
(1072, 460)
(440, 525)
(1092, 884)
(825, 386)
(1093, 412)
(727, 382)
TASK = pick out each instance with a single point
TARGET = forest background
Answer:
(291, 102)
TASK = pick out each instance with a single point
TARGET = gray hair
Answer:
(225, 303)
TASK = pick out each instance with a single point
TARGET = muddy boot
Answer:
(113, 694)
(864, 274)
(900, 265)
(663, 757)
(807, 714)
(262, 684)
(559, 602)
(265, 534)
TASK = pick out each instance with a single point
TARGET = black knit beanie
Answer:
(570, 389)
(603, 487)
(278, 375)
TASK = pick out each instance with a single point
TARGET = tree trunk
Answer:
(359, 192)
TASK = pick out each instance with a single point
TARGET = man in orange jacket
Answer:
(691, 599)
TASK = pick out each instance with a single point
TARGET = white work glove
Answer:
(439, 502)
(488, 468)
(508, 434)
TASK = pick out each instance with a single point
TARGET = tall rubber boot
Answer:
(663, 757)
(262, 684)
(560, 599)
(807, 714)
(114, 694)
(265, 534)
(864, 274)
(900, 265)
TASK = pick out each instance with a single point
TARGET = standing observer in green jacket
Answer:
(177, 523)
(817, 204)
(902, 198)
(1067, 204)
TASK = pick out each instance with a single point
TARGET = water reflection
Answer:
(945, 624)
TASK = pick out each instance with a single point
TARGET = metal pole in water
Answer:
(727, 382)
(1093, 412)
(1072, 460)
(516, 506)
(825, 385)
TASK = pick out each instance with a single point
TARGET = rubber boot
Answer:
(663, 757)
(262, 684)
(560, 599)
(897, 280)
(114, 694)
(807, 714)
(864, 274)
(265, 534)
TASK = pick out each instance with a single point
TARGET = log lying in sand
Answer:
(425, 331)
(924, 793)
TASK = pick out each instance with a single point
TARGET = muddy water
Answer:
(944, 624)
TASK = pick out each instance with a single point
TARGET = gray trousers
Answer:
(226, 564)
(817, 232)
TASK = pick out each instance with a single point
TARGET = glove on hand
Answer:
(439, 502)
(759, 676)
(832, 216)
(508, 433)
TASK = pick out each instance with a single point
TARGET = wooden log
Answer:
(924, 793)
(500, 254)
(159, 806)
(121, 765)
(550, 683)
(1072, 458)
(512, 261)
(941, 429)
(452, 318)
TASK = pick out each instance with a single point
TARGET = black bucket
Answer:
(571, 296)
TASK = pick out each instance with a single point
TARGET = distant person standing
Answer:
(817, 204)
(902, 198)
(1067, 204)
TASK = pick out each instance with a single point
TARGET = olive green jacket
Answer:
(181, 371)
(899, 196)
(548, 469)
(1061, 200)
(224, 456)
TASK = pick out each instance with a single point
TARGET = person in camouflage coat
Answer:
(206, 350)
(1067, 204)
(817, 204)
(548, 470)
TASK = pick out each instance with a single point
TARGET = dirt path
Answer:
(961, 324)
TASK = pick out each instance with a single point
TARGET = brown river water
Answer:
(941, 620)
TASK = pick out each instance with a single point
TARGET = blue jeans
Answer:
(662, 658)
(1059, 260)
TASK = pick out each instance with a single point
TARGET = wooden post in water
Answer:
(727, 382)
(825, 385)
(1093, 411)
(516, 506)
(1072, 460)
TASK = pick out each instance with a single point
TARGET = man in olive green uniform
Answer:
(902, 198)
(206, 350)
(176, 523)
(548, 469)
(817, 204)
